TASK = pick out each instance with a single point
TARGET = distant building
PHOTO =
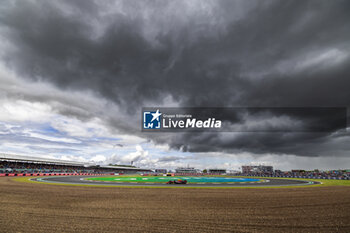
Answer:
(217, 171)
(160, 171)
(186, 170)
(257, 169)
(233, 172)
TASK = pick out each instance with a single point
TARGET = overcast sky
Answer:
(74, 76)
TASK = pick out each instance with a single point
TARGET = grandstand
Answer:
(217, 171)
(186, 170)
(19, 164)
(260, 169)
(267, 171)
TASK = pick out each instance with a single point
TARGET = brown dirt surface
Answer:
(26, 207)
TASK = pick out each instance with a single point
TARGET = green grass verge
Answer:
(164, 179)
(324, 183)
(27, 180)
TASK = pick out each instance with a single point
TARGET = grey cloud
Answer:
(53, 150)
(170, 158)
(239, 54)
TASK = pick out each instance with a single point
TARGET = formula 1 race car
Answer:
(177, 181)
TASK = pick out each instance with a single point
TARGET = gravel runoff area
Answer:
(85, 180)
(39, 207)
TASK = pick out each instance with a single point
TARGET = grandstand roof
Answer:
(32, 159)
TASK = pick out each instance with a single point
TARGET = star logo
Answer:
(156, 115)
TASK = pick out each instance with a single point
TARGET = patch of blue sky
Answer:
(107, 139)
(47, 128)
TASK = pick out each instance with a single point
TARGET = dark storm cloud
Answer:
(217, 54)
